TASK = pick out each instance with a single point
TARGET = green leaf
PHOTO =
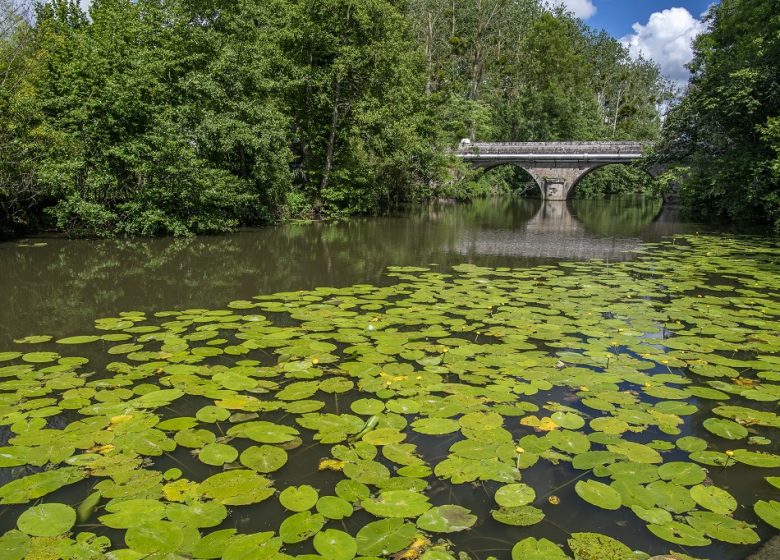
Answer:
(335, 545)
(299, 499)
(598, 494)
(47, 520)
(714, 499)
(154, 537)
(386, 536)
(537, 549)
(513, 495)
(446, 519)
(397, 503)
(521, 516)
(300, 526)
(769, 511)
(264, 459)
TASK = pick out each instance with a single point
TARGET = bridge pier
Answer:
(556, 182)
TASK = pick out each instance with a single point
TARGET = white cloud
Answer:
(667, 39)
(583, 9)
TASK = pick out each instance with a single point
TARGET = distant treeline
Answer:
(193, 116)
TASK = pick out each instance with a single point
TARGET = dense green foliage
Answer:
(726, 130)
(195, 116)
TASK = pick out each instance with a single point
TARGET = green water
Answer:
(480, 375)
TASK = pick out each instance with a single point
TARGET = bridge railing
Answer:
(499, 148)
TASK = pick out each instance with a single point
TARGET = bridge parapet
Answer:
(563, 148)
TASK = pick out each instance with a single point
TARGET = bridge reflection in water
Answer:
(575, 229)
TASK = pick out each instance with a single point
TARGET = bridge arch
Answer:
(521, 179)
(555, 166)
(586, 172)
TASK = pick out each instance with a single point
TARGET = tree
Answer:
(725, 129)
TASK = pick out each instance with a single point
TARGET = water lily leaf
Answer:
(714, 499)
(133, 512)
(213, 545)
(217, 454)
(598, 494)
(723, 528)
(636, 452)
(757, 458)
(367, 407)
(384, 436)
(237, 488)
(36, 485)
(264, 458)
(446, 519)
(685, 474)
(514, 495)
(47, 520)
(671, 497)
(78, 339)
(435, 426)
(40, 357)
(197, 514)
(537, 549)
(521, 516)
(211, 414)
(386, 536)
(298, 498)
(679, 533)
(334, 507)
(769, 511)
(397, 503)
(352, 491)
(14, 545)
(335, 545)
(726, 429)
(154, 537)
(367, 472)
(300, 526)
(653, 516)
(691, 444)
(258, 546)
(594, 546)
(264, 432)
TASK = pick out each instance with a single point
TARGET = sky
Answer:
(661, 30)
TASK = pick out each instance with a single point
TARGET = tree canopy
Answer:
(194, 116)
(726, 130)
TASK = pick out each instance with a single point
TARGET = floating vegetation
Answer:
(389, 421)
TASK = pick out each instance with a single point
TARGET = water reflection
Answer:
(62, 287)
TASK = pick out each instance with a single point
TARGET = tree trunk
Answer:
(334, 123)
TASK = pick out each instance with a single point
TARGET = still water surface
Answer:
(60, 288)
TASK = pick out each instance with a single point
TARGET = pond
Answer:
(508, 379)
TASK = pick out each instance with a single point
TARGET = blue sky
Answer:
(661, 30)
(617, 16)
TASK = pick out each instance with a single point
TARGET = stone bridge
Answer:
(556, 167)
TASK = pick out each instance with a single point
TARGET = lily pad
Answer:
(386, 536)
(513, 495)
(594, 546)
(446, 519)
(47, 520)
(714, 499)
(531, 548)
(299, 499)
(769, 511)
(598, 494)
(336, 545)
